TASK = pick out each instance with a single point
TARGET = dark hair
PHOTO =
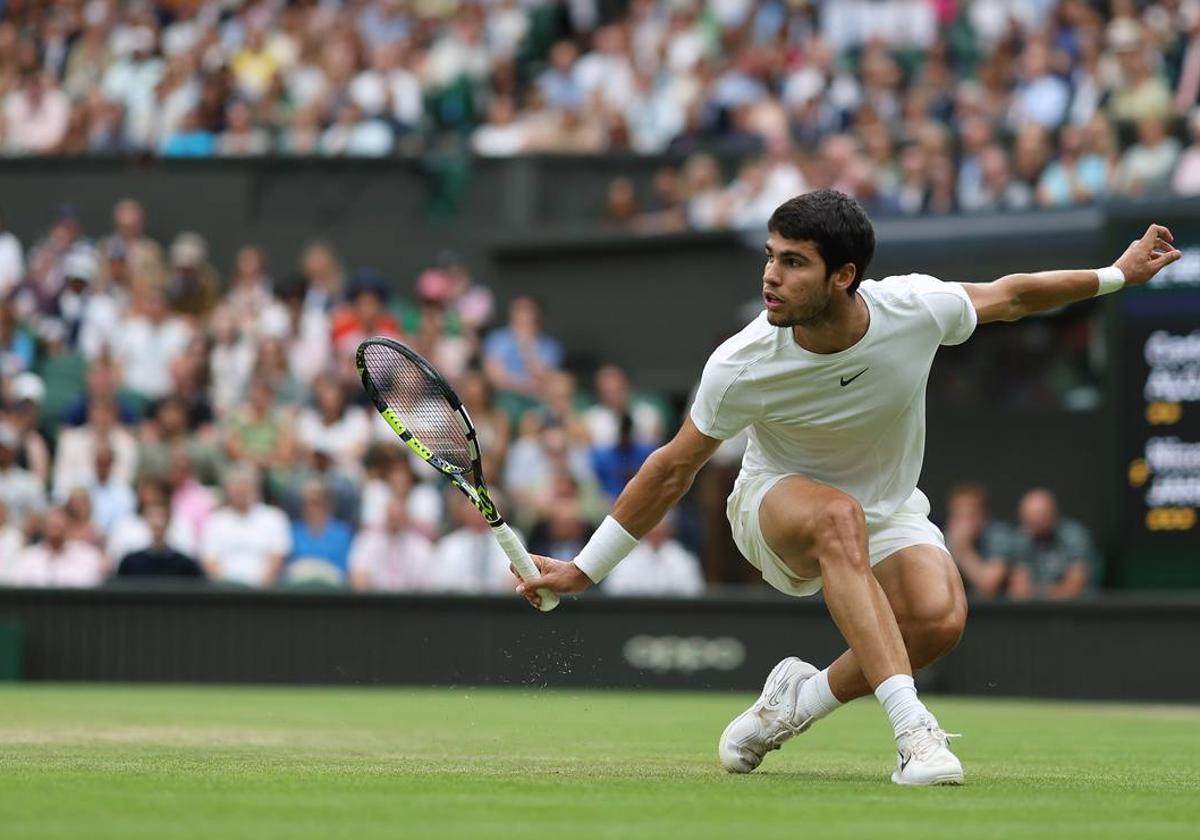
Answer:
(835, 223)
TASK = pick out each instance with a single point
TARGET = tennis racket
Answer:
(429, 417)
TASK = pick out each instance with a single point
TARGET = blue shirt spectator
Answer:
(517, 357)
(615, 465)
(320, 543)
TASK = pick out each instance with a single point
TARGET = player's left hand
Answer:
(1146, 256)
(557, 576)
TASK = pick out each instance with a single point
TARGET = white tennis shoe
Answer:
(924, 757)
(774, 718)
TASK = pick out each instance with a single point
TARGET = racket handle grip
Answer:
(520, 560)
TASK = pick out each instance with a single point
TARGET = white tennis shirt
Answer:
(854, 419)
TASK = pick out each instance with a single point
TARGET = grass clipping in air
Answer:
(168, 762)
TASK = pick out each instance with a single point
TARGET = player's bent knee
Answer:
(938, 635)
(841, 531)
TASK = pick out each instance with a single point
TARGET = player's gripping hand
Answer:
(1144, 257)
(557, 576)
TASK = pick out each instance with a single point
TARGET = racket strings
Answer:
(419, 403)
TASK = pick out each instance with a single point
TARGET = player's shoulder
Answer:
(906, 288)
(751, 344)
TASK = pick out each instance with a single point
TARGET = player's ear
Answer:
(843, 278)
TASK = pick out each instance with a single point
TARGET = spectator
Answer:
(75, 458)
(35, 116)
(169, 427)
(56, 561)
(12, 540)
(25, 395)
(365, 315)
(132, 532)
(517, 358)
(80, 527)
(258, 432)
(320, 543)
(471, 301)
(615, 399)
(997, 189)
(343, 430)
(1052, 557)
(17, 346)
(469, 559)
(1076, 176)
(615, 465)
(323, 277)
(501, 134)
(191, 502)
(1146, 167)
(241, 137)
(190, 139)
(492, 426)
(392, 478)
(1186, 180)
(562, 529)
(352, 135)
(319, 465)
(1041, 96)
(393, 557)
(251, 299)
(193, 287)
(1141, 93)
(12, 259)
(111, 497)
(245, 541)
(980, 545)
(230, 361)
(158, 559)
(658, 565)
(148, 343)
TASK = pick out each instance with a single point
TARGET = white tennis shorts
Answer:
(908, 526)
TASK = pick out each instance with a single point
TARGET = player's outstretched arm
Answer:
(1016, 295)
(657, 486)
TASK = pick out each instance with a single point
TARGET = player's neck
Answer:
(844, 326)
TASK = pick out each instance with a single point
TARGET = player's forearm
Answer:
(654, 490)
(1046, 290)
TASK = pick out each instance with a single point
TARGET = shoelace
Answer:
(925, 739)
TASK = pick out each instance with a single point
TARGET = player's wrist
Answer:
(1110, 279)
(608, 546)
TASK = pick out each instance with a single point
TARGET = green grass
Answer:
(175, 762)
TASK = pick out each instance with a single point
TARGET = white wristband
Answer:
(607, 547)
(1111, 278)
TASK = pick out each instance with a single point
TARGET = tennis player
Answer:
(830, 382)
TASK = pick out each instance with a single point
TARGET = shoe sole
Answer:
(937, 781)
(768, 687)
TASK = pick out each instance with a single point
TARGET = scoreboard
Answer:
(1159, 413)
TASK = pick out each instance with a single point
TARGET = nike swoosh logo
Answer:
(777, 695)
(904, 761)
(846, 381)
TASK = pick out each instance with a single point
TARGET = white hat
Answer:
(28, 386)
(80, 263)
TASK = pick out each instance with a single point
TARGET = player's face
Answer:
(795, 288)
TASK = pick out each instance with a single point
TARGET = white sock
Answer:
(900, 701)
(816, 697)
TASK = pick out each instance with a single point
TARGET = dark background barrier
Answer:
(1097, 650)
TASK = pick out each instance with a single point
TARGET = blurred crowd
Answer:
(159, 416)
(1043, 554)
(913, 106)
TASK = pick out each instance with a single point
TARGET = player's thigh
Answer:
(788, 518)
(923, 586)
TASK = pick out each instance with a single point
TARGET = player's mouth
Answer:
(773, 302)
